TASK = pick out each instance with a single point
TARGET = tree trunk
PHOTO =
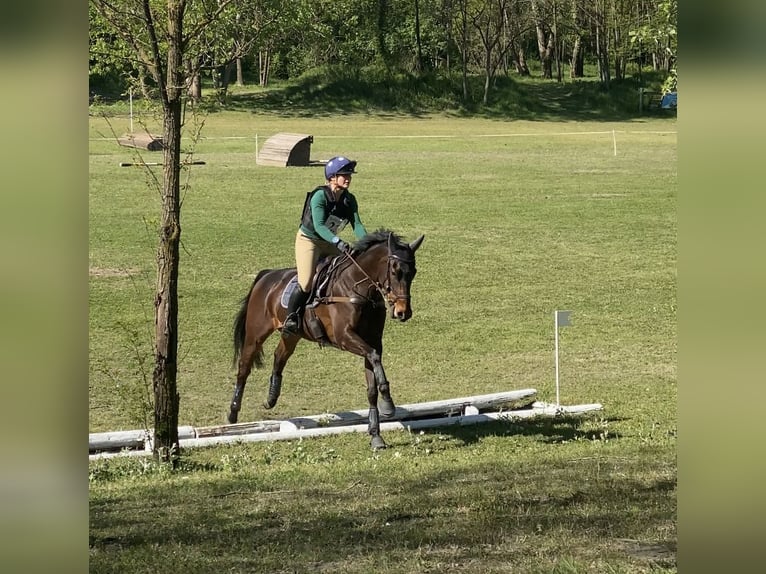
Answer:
(166, 398)
(577, 63)
(556, 43)
(264, 63)
(419, 61)
(464, 47)
(602, 55)
(520, 62)
(544, 43)
(240, 76)
(194, 84)
(487, 81)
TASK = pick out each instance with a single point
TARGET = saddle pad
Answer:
(289, 288)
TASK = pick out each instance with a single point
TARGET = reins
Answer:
(384, 290)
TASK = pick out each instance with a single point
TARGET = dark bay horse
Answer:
(348, 313)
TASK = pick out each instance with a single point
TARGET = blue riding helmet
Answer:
(339, 165)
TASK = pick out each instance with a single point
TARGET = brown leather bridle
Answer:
(385, 290)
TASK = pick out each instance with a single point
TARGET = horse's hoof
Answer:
(268, 406)
(232, 418)
(386, 408)
(377, 443)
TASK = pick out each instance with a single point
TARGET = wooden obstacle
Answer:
(286, 149)
(510, 405)
(142, 141)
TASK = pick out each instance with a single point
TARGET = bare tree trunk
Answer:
(487, 80)
(544, 42)
(264, 65)
(240, 76)
(556, 42)
(419, 61)
(520, 61)
(194, 83)
(602, 51)
(577, 63)
(619, 60)
(166, 398)
(464, 46)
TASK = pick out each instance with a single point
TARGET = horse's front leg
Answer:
(386, 407)
(376, 381)
(373, 418)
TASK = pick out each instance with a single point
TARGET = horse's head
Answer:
(389, 264)
(401, 272)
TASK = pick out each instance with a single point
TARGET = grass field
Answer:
(520, 218)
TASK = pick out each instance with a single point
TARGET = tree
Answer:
(490, 22)
(656, 34)
(155, 32)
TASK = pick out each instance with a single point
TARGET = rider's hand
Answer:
(343, 247)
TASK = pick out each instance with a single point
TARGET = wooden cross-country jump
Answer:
(286, 149)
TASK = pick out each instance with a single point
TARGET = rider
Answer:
(326, 211)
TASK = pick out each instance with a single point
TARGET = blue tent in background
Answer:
(669, 101)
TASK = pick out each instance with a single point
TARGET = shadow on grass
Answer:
(330, 95)
(478, 518)
(546, 429)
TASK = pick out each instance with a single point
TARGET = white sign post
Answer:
(561, 319)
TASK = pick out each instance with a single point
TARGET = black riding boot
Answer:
(292, 325)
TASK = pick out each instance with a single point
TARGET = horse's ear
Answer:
(415, 244)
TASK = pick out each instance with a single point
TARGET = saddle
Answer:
(320, 285)
(323, 277)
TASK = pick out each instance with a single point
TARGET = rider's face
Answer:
(343, 180)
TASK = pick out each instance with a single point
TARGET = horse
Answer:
(346, 310)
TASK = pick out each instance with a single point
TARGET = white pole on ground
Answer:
(614, 143)
(560, 319)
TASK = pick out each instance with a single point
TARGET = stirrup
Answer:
(292, 325)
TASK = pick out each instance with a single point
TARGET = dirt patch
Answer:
(111, 272)
(662, 554)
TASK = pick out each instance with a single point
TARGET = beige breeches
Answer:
(307, 253)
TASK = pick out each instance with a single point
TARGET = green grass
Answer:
(520, 218)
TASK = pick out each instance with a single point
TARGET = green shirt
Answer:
(324, 218)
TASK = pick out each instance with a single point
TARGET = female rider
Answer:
(326, 211)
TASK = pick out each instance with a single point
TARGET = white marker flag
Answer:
(561, 319)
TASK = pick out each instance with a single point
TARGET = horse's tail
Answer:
(240, 323)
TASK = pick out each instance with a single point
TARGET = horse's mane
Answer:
(376, 237)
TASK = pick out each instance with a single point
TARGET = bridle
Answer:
(385, 290)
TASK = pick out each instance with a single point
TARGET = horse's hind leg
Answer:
(282, 353)
(252, 352)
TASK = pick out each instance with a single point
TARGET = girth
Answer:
(326, 274)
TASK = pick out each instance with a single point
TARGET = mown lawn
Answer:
(521, 218)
